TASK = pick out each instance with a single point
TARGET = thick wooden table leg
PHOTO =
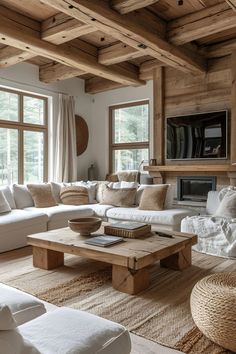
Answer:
(178, 261)
(128, 281)
(47, 259)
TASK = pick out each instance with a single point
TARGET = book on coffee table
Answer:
(104, 240)
(128, 229)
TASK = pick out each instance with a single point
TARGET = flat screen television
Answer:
(197, 136)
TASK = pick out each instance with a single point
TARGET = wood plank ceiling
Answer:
(115, 43)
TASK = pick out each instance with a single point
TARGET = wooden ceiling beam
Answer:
(125, 6)
(127, 31)
(220, 49)
(10, 56)
(98, 84)
(200, 24)
(61, 28)
(117, 53)
(232, 3)
(64, 54)
(56, 72)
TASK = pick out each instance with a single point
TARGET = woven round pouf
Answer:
(213, 307)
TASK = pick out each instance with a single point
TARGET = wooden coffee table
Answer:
(129, 259)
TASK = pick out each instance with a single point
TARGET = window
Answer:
(129, 136)
(23, 137)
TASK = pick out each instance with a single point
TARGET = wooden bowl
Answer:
(85, 226)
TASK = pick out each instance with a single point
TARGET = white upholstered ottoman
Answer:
(68, 331)
(24, 307)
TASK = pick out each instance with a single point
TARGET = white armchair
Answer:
(216, 235)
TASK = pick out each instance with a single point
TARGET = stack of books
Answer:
(128, 229)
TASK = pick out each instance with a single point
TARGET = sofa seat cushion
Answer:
(99, 209)
(24, 307)
(59, 215)
(72, 331)
(164, 217)
(17, 224)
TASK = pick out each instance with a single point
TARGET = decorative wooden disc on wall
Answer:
(82, 134)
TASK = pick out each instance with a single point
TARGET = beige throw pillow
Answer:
(4, 205)
(74, 195)
(42, 195)
(153, 198)
(119, 197)
(227, 207)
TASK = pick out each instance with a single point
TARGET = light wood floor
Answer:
(10, 261)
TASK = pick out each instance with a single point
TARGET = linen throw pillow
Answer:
(74, 195)
(153, 198)
(22, 196)
(7, 321)
(4, 205)
(122, 197)
(227, 207)
(42, 195)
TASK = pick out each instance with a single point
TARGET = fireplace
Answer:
(195, 188)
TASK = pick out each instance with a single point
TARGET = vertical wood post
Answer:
(233, 108)
(158, 114)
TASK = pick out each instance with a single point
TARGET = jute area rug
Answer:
(161, 313)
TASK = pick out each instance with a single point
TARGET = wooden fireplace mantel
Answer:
(191, 168)
(158, 172)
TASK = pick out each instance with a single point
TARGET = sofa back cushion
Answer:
(23, 198)
(122, 197)
(9, 196)
(4, 205)
(42, 195)
(74, 195)
(153, 198)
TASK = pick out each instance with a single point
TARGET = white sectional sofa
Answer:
(25, 219)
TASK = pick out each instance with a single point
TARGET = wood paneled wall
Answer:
(187, 93)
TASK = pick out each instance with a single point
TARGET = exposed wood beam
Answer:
(117, 53)
(62, 28)
(232, 3)
(233, 107)
(63, 54)
(201, 24)
(127, 31)
(97, 84)
(148, 67)
(125, 6)
(158, 114)
(56, 72)
(220, 49)
(10, 56)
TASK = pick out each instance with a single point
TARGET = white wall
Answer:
(99, 132)
(25, 77)
(93, 108)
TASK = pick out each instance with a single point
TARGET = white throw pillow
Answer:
(91, 187)
(7, 321)
(4, 205)
(22, 196)
(24, 307)
(9, 196)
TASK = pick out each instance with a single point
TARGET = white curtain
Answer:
(66, 160)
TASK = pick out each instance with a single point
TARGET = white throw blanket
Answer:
(216, 235)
